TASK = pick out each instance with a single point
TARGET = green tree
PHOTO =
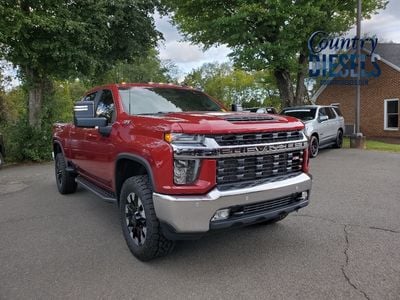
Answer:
(267, 34)
(55, 40)
(231, 85)
(145, 68)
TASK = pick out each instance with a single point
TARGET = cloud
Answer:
(385, 25)
(184, 54)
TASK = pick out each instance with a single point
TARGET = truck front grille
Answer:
(240, 169)
(257, 138)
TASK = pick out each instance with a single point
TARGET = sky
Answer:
(385, 25)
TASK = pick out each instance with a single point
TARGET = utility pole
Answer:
(358, 140)
(358, 93)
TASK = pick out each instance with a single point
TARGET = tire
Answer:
(314, 146)
(66, 183)
(339, 139)
(1, 160)
(140, 226)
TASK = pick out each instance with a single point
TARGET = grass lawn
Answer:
(375, 145)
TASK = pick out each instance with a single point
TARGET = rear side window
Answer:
(331, 113)
(337, 110)
(322, 112)
(106, 108)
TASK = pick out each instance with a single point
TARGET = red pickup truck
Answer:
(178, 164)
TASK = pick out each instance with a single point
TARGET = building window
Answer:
(392, 114)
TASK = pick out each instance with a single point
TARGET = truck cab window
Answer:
(106, 107)
(90, 97)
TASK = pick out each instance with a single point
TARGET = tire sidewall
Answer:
(314, 139)
(1, 160)
(147, 250)
(60, 163)
(339, 139)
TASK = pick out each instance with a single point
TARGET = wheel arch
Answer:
(58, 148)
(315, 134)
(128, 165)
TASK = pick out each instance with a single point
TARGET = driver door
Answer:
(99, 166)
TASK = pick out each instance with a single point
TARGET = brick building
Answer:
(379, 99)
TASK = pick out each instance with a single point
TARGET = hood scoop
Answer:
(247, 118)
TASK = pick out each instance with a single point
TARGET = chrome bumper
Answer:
(192, 214)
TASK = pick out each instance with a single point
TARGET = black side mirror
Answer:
(105, 130)
(237, 107)
(84, 115)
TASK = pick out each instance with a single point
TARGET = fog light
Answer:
(221, 214)
(304, 195)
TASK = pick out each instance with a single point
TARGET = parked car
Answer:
(324, 125)
(263, 110)
(178, 165)
(2, 151)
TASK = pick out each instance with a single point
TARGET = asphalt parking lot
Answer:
(345, 245)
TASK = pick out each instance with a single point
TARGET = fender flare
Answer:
(138, 159)
(61, 147)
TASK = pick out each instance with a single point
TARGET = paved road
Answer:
(345, 245)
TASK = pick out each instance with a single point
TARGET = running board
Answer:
(104, 194)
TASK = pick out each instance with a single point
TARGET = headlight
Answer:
(184, 139)
(186, 171)
(307, 129)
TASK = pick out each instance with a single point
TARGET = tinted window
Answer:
(304, 114)
(330, 112)
(149, 100)
(105, 108)
(338, 112)
(322, 112)
(90, 97)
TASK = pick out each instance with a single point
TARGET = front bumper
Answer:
(192, 214)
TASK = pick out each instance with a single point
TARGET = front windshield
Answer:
(304, 114)
(154, 100)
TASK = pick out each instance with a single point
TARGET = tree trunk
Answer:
(285, 87)
(35, 97)
(301, 75)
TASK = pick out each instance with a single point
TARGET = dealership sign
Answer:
(335, 58)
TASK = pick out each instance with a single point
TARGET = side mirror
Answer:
(323, 119)
(84, 115)
(90, 122)
(237, 107)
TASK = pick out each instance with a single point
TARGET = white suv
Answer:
(324, 125)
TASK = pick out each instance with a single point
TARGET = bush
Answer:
(24, 143)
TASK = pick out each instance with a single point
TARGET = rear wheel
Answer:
(314, 146)
(339, 139)
(65, 181)
(1, 160)
(140, 226)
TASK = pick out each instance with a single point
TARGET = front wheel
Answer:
(140, 226)
(339, 139)
(314, 146)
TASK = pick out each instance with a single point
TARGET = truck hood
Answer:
(227, 122)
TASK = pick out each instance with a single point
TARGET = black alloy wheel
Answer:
(135, 217)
